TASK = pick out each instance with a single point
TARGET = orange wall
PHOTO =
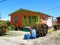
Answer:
(19, 23)
(44, 16)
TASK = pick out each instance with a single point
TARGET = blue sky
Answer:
(50, 7)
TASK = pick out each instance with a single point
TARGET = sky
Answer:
(50, 7)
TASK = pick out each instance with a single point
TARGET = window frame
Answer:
(16, 19)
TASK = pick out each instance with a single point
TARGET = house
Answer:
(58, 20)
(25, 17)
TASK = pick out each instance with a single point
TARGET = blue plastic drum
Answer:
(33, 33)
(27, 36)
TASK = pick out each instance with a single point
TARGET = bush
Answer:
(41, 29)
(3, 28)
(56, 27)
(10, 28)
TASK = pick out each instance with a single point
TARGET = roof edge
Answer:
(29, 10)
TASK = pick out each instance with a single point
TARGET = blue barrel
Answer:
(33, 33)
(33, 36)
(27, 36)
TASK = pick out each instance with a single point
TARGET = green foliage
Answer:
(8, 23)
(41, 29)
(56, 27)
(11, 28)
(2, 22)
(3, 28)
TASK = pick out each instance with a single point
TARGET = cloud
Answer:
(5, 19)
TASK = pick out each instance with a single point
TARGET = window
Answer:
(24, 17)
(15, 19)
(34, 18)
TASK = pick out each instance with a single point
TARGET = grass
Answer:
(2, 22)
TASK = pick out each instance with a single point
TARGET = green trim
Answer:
(23, 20)
(36, 18)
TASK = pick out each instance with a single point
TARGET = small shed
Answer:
(23, 17)
(58, 20)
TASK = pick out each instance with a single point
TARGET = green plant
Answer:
(11, 27)
(8, 23)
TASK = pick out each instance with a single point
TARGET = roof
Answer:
(26, 11)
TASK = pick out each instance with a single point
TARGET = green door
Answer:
(25, 20)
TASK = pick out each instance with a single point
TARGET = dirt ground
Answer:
(16, 38)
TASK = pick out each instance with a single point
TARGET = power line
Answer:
(2, 1)
(52, 8)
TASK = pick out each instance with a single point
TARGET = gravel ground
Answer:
(16, 38)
